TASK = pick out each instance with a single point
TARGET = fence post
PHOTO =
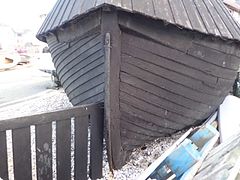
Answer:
(96, 142)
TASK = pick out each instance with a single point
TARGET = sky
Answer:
(24, 14)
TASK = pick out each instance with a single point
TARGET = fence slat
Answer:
(44, 151)
(81, 147)
(3, 156)
(63, 129)
(22, 153)
(96, 143)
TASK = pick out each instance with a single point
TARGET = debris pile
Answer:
(200, 151)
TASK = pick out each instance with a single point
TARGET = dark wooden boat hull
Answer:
(153, 79)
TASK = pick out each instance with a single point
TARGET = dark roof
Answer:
(206, 16)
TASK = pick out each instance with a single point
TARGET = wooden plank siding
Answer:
(80, 67)
(164, 89)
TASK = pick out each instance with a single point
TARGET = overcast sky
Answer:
(24, 14)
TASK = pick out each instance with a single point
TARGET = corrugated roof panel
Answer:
(87, 5)
(114, 2)
(68, 11)
(59, 19)
(207, 19)
(144, 7)
(226, 20)
(179, 13)
(126, 4)
(45, 26)
(76, 9)
(217, 19)
(194, 17)
(205, 16)
(99, 2)
(163, 10)
(233, 24)
(53, 23)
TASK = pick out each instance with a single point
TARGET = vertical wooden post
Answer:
(112, 39)
(3, 156)
(81, 147)
(63, 129)
(96, 142)
(44, 151)
(22, 153)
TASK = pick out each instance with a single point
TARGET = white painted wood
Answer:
(229, 118)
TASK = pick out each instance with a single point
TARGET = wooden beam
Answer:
(112, 38)
(80, 28)
(22, 122)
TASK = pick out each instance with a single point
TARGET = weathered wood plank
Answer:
(44, 151)
(91, 84)
(216, 57)
(139, 125)
(79, 76)
(96, 143)
(85, 60)
(170, 86)
(76, 50)
(160, 117)
(173, 37)
(81, 147)
(219, 45)
(58, 50)
(22, 153)
(162, 103)
(98, 98)
(84, 75)
(73, 46)
(42, 118)
(3, 156)
(181, 69)
(135, 135)
(177, 78)
(93, 72)
(88, 94)
(83, 27)
(173, 97)
(179, 56)
(63, 134)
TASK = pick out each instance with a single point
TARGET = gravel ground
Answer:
(56, 100)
